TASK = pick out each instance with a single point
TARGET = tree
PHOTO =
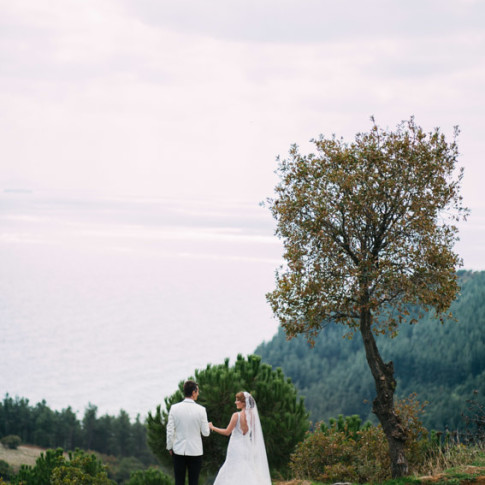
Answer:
(90, 426)
(44, 425)
(368, 231)
(123, 434)
(140, 447)
(15, 417)
(68, 429)
(283, 416)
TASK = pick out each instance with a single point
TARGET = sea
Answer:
(112, 301)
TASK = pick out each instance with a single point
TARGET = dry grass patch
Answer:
(23, 455)
(467, 474)
(294, 482)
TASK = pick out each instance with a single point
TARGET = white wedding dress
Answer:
(246, 459)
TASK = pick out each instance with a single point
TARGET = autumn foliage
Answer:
(347, 451)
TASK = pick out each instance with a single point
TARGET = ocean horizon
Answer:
(114, 300)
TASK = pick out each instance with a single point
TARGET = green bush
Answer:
(52, 468)
(122, 471)
(6, 470)
(80, 468)
(41, 473)
(283, 416)
(348, 425)
(334, 455)
(151, 476)
(12, 441)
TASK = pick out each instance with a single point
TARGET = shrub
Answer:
(6, 470)
(419, 444)
(347, 451)
(122, 471)
(80, 468)
(52, 468)
(151, 476)
(12, 441)
(474, 418)
(348, 425)
(334, 455)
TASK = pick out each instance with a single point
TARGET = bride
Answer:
(246, 453)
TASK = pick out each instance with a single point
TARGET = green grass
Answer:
(402, 481)
(452, 476)
(460, 474)
(479, 460)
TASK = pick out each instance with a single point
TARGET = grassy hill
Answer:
(443, 364)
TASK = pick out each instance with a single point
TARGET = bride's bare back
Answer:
(243, 422)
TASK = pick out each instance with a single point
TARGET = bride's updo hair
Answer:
(241, 397)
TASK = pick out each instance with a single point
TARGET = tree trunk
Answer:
(383, 404)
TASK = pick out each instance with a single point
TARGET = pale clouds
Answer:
(310, 21)
(179, 98)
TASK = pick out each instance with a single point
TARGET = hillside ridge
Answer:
(443, 363)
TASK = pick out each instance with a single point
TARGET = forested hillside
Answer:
(443, 363)
(42, 426)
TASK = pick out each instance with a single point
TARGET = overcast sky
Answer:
(197, 98)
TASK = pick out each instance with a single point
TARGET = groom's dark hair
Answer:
(190, 387)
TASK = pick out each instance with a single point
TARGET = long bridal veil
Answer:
(257, 451)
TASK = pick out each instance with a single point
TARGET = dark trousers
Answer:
(182, 463)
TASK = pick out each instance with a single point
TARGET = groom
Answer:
(187, 421)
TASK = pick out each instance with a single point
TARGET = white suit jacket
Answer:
(187, 421)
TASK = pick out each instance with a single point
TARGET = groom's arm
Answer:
(170, 431)
(204, 424)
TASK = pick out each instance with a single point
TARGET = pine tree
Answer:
(283, 416)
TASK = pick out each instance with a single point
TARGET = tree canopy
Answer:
(376, 216)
